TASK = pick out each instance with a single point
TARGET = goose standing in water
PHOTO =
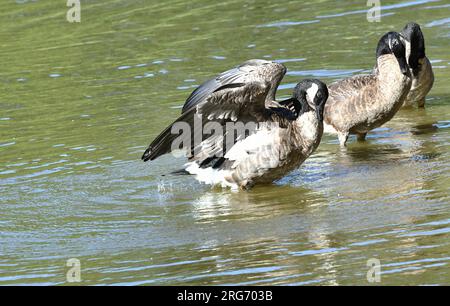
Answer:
(362, 103)
(420, 66)
(281, 139)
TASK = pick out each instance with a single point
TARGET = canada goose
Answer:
(362, 103)
(280, 140)
(420, 66)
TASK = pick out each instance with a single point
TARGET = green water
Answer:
(80, 102)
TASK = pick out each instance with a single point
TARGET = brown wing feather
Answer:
(347, 98)
(249, 71)
(246, 102)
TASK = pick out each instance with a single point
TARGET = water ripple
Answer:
(324, 72)
(383, 8)
(436, 23)
(282, 24)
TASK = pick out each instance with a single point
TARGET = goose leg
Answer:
(361, 136)
(343, 139)
(421, 103)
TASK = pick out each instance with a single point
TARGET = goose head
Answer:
(311, 95)
(412, 37)
(391, 43)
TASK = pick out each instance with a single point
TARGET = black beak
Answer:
(403, 65)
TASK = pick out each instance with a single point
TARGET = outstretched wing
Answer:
(241, 102)
(251, 71)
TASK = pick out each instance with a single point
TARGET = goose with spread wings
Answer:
(235, 133)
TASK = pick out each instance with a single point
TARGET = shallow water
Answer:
(80, 102)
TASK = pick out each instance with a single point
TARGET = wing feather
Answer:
(246, 103)
(345, 97)
(250, 71)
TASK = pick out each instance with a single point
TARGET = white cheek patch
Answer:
(407, 50)
(311, 92)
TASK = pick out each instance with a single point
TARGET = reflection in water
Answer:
(424, 129)
(326, 259)
(253, 204)
(213, 207)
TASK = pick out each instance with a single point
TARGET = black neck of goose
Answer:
(319, 111)
(417, 52)
(304, 106)
(414, 36)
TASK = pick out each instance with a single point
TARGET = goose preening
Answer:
(362, 103)
(278, 137)
(420, 66)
